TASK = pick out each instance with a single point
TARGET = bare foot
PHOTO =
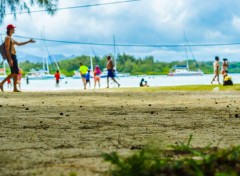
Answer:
(16, 90)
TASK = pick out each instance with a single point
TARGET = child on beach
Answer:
(88, 76)
(57, 77)
(97, 73)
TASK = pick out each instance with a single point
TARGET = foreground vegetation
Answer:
(180, 159)
(129, 64)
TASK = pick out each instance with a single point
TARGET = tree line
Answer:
(128, 64)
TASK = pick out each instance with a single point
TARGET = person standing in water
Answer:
(12, 57)
(57, 77)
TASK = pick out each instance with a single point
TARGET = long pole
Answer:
(114, 50)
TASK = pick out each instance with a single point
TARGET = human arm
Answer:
(24, 43)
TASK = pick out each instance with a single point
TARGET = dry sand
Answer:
(55, 133)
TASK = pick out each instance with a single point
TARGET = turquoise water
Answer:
(133, 81)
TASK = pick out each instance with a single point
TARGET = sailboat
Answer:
(44, 72)
(40, 74)
(183, 70)
(105, 72)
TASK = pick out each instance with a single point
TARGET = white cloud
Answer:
(143, 22)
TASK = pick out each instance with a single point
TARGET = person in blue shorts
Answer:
(88, 76)
(83, 71)
(12, 56)
(111, 71)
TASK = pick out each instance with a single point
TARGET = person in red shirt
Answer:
(57, 76)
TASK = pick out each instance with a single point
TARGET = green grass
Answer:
(181, 159)
(235, 87)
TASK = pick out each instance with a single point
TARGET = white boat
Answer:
(39, 74)
(44, 72)
(184, 71)
(76, 75)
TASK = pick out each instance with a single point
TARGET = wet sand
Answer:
(55, 133)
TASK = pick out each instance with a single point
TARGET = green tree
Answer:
(17, 5)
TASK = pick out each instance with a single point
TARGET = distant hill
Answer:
(38, 59)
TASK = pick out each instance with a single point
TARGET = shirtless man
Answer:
(11, 56)
(110, 69)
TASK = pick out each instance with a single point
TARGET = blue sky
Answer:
(142, 22)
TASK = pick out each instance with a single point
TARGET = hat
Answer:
(10, 26)
(96, 66)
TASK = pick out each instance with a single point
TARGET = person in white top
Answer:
(216, 70)
(11, 56)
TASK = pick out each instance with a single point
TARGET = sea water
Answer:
(69, 83)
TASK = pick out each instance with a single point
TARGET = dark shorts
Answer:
(83, 76)
(14, 68)
(111, 74)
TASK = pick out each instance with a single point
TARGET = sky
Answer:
(145, 22)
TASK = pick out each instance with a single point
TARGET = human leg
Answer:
(99, 84)
(3, 81)
(115, 81)
(15, 83)
(107, 82)
(84, 82)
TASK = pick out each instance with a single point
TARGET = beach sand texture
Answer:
(55, 133)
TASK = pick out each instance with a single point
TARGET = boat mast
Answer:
(46, 59)
(186, 49)
(114, 52)
(91, 61)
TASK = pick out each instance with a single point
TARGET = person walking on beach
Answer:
(11, 56)
(57, 78)
(83, 71)
(216, 70)
(111, 71)
(97, 73)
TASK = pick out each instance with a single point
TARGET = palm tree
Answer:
(17, 5)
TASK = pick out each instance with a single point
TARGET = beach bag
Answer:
(3, 51)
(228, 83)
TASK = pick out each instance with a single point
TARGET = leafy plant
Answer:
(184, 160)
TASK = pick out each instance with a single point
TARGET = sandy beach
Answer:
(55, 133)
